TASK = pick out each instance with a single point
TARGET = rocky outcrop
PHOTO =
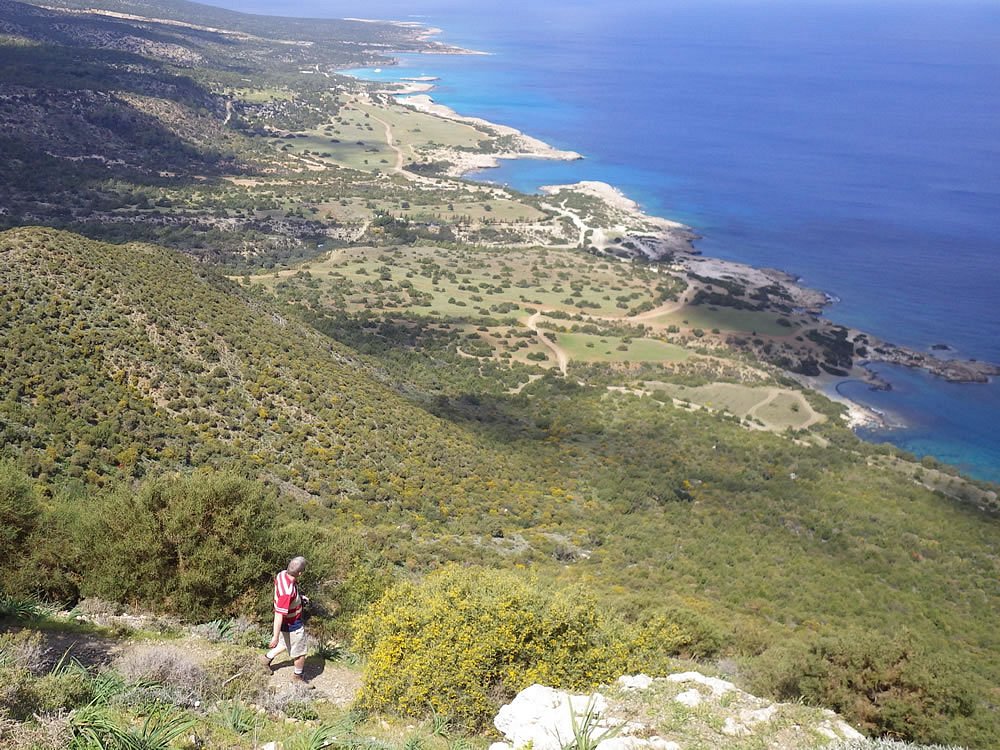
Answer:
(682, 710)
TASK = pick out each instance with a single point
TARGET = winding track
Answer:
(561, 357)
(391, 143)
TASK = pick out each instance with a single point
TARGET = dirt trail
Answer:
(391, 143)
(665, 309)
(573, 217)
(335, 683)
(88, 649)
(772, 394)
(561, 357)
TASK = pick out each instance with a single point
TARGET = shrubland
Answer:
(169, 437)
(464, 641)
(640, 516)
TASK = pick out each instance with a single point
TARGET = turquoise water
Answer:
(854, 144)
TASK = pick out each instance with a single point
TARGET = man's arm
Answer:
(276, 629)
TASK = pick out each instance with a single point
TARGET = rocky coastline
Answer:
(621, 227)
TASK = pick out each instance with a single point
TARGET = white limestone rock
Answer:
(689, 698)
(635, 682)
(849, 732)
(717, 686)
(749, 717)
(543, 717)
(733, 728)
(637, 743)
(658, 743)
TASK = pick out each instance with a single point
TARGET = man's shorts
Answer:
(295, 642)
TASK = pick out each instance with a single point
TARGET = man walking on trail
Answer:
(289, 633)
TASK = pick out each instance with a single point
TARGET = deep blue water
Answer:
(856, 144)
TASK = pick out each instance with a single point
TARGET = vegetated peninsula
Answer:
(521, 438)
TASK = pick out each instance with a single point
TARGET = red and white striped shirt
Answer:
(286, 597)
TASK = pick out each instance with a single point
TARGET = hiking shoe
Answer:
(298, 679)
(266, 663)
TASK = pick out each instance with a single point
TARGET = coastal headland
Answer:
(819, 355)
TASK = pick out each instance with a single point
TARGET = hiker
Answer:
(289, 633)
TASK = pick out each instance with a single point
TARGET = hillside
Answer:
(124, 361)
(129, 359)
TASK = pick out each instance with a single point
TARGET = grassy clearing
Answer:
(466, 282)
(726, 319)
(356, 136)
(788, 409)
(262, 96)
(418, 131)
(475, 210)
(591, 348)
(777, 408)
(365, 153)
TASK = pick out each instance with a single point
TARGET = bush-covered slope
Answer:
(126, 359)
(798, 559)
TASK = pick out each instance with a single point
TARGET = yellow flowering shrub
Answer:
(465, 640)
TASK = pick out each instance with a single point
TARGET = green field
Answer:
(417, 130)
(726, 319)
(259, 96)
(591, 348)
(471, 209)
(777, 408)
(369, 152)
(786, 410)
(356, 136)
(465, 282)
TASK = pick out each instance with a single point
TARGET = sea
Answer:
(853, 143)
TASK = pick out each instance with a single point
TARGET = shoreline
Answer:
(412, 92)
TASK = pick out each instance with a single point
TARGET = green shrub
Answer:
(23, 694)
(51, 565)
(197, 545)
(18, 513)
(883, 685)
(300, 709)
(465, 640)
(62, 691)
(17, 696)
